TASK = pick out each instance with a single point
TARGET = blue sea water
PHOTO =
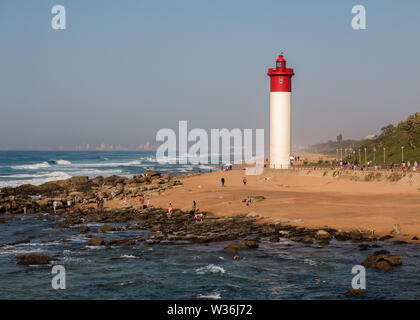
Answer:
(283, 270)
(37, 167)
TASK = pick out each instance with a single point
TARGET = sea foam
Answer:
(211, 268)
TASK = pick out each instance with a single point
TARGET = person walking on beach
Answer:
(68, 204)
(55, 207)
(223, 182)
(101, 205)
(194, 206)
(148, 204)
(169, 214)
(244, 181)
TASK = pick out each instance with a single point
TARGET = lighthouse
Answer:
(280, 114)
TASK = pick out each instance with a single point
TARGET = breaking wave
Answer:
(35, 166)
(211, 268)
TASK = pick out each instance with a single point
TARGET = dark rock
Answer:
(34, 259)
(382, 261)
(355, 293)
(61, 226)
(399, 242)
(342, 236)
(96, 241)
(414, 238)
(156, 228)
(2, 220)
(242, 245)
(323, 237)
(15, 243)
(387, 237)
(106, 227)
(307, 240)
(83, 229)
(363, 247)
(152, 174)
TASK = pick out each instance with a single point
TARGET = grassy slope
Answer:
(406, 134)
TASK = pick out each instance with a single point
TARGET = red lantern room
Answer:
(281, 77)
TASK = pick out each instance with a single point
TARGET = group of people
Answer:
(141, 202)
(222, 181)
(99, 203)
(198, 216)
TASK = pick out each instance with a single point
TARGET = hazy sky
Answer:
(124, 69)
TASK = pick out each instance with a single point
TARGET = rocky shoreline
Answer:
(246, 231)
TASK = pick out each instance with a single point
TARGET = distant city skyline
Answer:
(92, 147)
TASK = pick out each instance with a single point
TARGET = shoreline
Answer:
(305, 198)
(308, 199)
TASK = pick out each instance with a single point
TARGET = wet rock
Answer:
(342, 235)
(267, 230)
(83, 229)
(128, 242)
(152, 241)
(152, 174)
(399, 242)
(354, 293)
(323, 237)
(156, 228)
(387, 237)
(396, 230)
(364, 247)
(383, 261)
(237, 258)
(34, 259)
(355, 234)
(96, 241)
(15, 243)
(106, 227)
(2, 220)
(242, 245)
(62, 226)
(307, 240)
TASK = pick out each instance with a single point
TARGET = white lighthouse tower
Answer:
(280, 114)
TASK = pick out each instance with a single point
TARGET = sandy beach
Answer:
(310, 201)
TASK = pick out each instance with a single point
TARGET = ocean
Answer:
(37, 167)
(283, 270)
